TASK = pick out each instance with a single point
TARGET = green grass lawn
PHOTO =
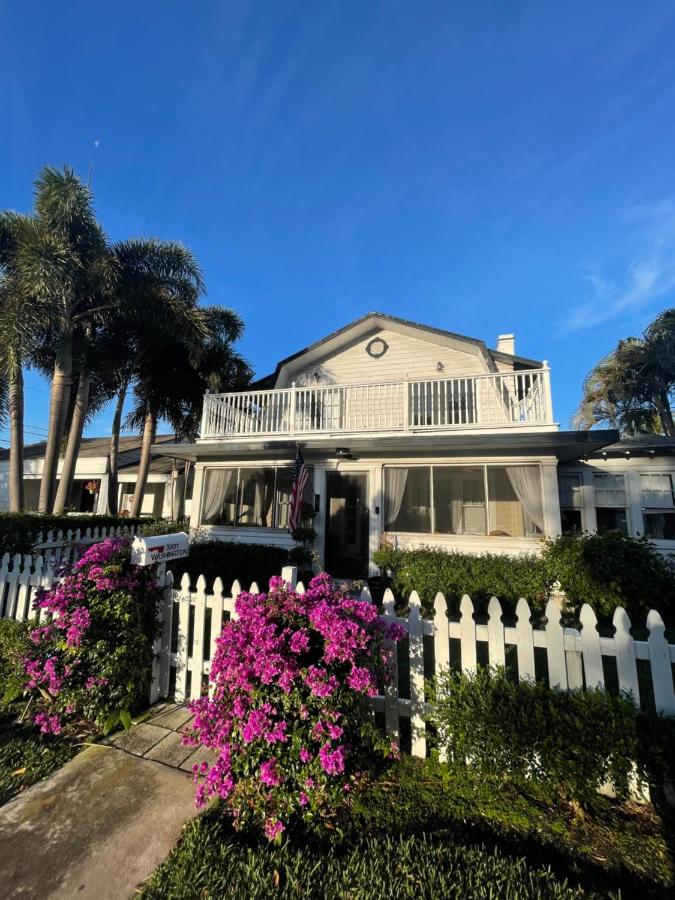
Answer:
(26, 756)
(426, 831)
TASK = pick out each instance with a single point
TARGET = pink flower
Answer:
(48, 724)
(332, 761)
(305, 755)
(273, 828)
(269, 774)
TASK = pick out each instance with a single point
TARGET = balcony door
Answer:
(346, 549)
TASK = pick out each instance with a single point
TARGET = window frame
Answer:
(488, 518)
(625, 507)
(238, 494)
(651, 510)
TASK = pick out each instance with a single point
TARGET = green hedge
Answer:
(606, 570)
(553, 743)
(230, 561)
(428, 570)
(18, 531)
(611, 569)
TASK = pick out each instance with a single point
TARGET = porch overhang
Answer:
(566, 446)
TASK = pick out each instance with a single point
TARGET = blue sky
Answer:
(486, 167)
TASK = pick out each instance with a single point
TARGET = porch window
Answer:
(610, 503)
(247, 497)
(658, 506)
(459, 500)
(571, 502)
(408, 499)
(497, 500)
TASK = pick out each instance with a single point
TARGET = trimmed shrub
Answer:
(556, 743)
(611, 569)
(18, 531)
(287, 716)
(93, 660)
(229, 561)
(429, 570)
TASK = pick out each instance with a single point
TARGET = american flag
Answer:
(300, 479)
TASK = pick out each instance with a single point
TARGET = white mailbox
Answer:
(159, 548)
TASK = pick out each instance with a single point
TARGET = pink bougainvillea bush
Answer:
(92, 656)
(287, 714)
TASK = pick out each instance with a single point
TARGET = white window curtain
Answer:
(394, 489)
(526, 483)
(264, 495)
(456, 515)
(217, 485)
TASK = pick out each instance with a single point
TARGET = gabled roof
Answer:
(100, 446)
(362, 326)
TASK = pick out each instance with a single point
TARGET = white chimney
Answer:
(506, 343)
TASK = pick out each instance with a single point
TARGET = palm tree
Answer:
(32, 269)
(172, 385)
(63, 206)
(631, 388)
(160, 286)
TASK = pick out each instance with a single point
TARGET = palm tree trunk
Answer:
(61, 380)
(149, 429)
(74, 441)
(113, 486)
(15, 405)
(665, 414)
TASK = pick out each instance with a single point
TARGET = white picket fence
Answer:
(193, 619)
(20, 578)
(66, 546)
(22, 575)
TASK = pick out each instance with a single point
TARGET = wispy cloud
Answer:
(648, 276)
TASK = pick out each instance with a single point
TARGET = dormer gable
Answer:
(379, 347)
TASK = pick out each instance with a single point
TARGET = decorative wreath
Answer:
(377, 348)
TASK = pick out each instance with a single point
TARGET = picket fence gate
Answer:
(193, 619)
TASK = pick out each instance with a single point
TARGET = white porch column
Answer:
(376, 513)
(550, 498)
(196, 505)
(319, 521)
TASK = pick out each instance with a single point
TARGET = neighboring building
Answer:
(414, 435)
(627, 485)
(163, 495)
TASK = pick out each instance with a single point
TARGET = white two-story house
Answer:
(413, 435)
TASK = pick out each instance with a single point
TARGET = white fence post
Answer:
(290, 576)
(416, 651)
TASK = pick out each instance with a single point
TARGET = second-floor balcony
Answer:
(492, 401)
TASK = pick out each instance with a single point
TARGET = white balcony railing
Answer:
(476, 401)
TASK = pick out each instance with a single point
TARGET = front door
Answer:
(346, 550)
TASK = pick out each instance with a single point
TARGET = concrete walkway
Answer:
(100, 825)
